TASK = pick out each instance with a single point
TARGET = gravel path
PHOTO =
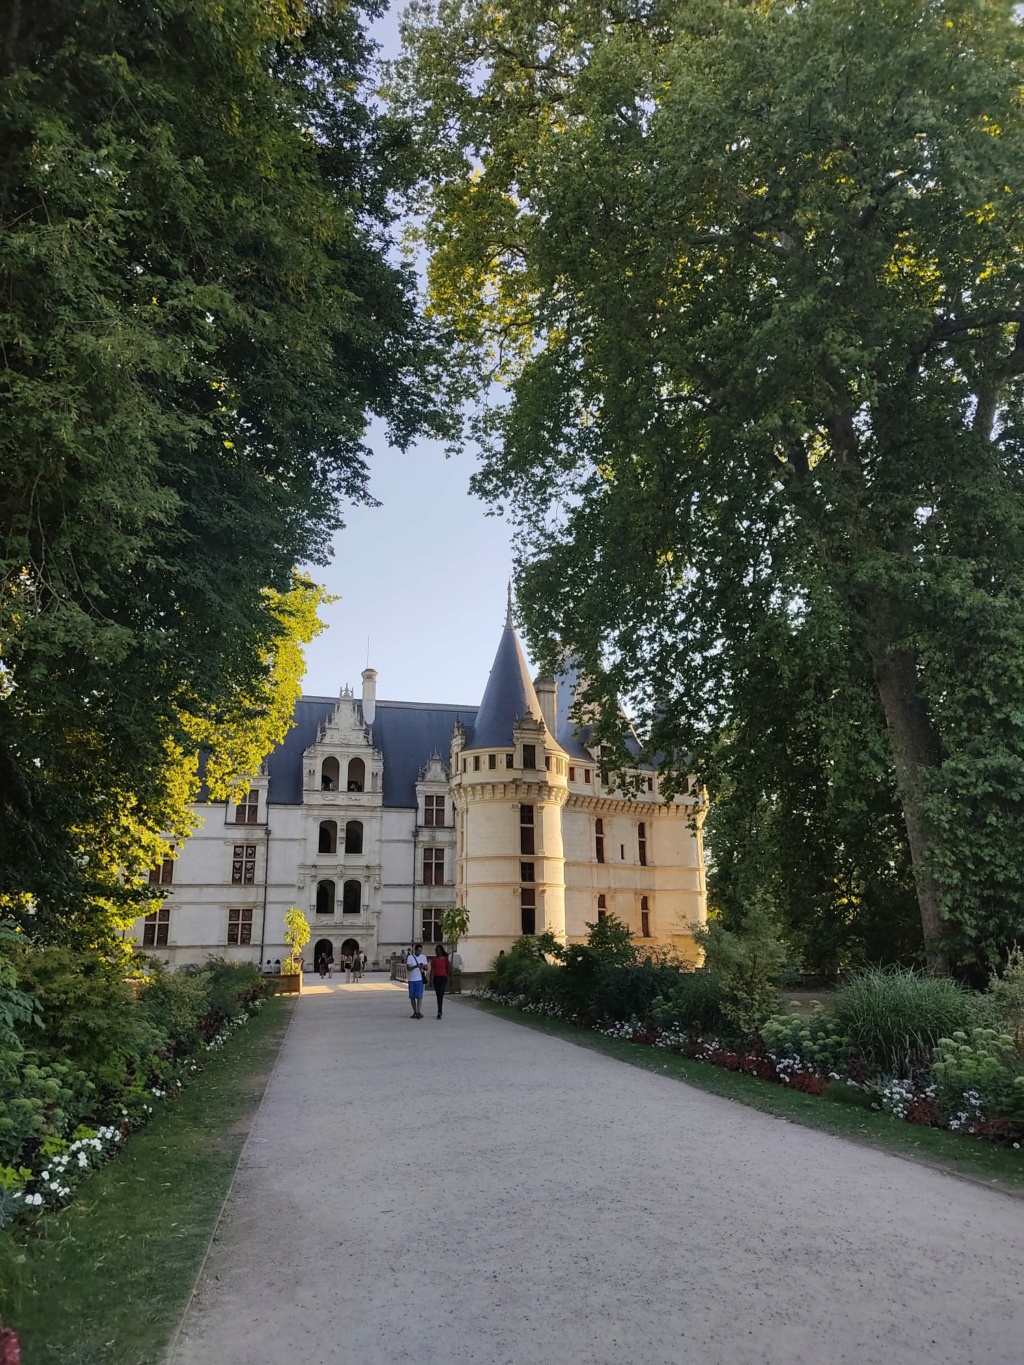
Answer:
(471, 1190)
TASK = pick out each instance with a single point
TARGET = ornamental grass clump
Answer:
(894, 1017)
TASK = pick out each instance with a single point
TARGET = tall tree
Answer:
(198, 313)
(752, 274)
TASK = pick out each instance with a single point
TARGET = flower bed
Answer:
(812, 1063)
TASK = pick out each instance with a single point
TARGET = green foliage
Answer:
(984, 1064)
(512, 972)
(748, 963)
(296, 935)
(1006, 991)
(762, 352)
(613, 939)
(817, 1042)
(692, 1005)
(199, 314)
(895, 1017)
(454, 924)
(36, 1102)
(16, 1006)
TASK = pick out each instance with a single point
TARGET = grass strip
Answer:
(104, 1282)
(975, 1159)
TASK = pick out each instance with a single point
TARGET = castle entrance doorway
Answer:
(324, 949)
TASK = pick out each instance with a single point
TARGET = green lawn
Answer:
(104, 1282)
(975, 1159)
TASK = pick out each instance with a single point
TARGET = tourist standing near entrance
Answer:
(416, 966)
(346, 962)
(439, 975)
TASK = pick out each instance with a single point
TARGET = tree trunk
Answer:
(915, 748)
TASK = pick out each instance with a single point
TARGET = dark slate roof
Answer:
(405, 732)
(573, 740)
(509, 696)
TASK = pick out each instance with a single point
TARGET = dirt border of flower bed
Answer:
(981, 1162)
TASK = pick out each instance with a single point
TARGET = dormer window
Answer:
(529, 755)
(433, 811)
(247, 810)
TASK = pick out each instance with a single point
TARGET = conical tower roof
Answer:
(508, 697)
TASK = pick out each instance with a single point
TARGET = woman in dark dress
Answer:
(439, 975)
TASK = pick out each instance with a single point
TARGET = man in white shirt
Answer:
(415, 975)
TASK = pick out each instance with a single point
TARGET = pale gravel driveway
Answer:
(472, 1190)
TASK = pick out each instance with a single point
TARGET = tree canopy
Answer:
(199, 312)
(751, 277)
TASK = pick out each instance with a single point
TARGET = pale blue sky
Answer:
(424, 576)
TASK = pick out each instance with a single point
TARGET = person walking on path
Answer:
(439, 975)
(330, 964)
(416, 966)
(346, 962)
(357, 967)
(321, 965)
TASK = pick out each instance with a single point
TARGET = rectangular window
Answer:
(529, 755)
(622, 853)
(463, 765)
(547, 762)
(510, 760)
(602, 901)
(476, 763)
(526, 840)
(243, 864)
(154, 930)
(239, 926)
(601, 914)
(572, 773)
(586, 774)
(599, 840)
(641, 842)
(526, 871)
(164, 874)
(433, 867)
(492, 760)
(431, 927)
(528, 910)
(645, 924)
(433, 811)
(650, 784)
(248, 808)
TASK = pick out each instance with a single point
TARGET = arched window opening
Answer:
(325, 898)
(330, 775)
(352, 898)
(349, 946)
(356, 775)
(354, 836)
(328, 837)
(324, 949)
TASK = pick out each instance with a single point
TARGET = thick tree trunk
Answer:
(915, 748)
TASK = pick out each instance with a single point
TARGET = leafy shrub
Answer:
(175, 1003)
(818, 1044)
(748, 964)
(36, 1102)
(692, 1004)
(982, 1072)
(629, 991)
(894, 1017)
(1007, 995)
(512, 972)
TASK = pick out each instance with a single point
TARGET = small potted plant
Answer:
(296, 935)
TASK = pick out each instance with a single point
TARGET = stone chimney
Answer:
(369, 695)
(547, 694)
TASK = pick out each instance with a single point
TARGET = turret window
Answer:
(599, 840)
(526, 871)
(492, 760)
(529, 755)
(528, 910)
(586, 774)
(510, 760)
(641, 842)
(547, 762)
(476, 763)
(645, 917)
(572, 773)
(526, 837)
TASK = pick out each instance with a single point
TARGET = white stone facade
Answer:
(373, 816)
